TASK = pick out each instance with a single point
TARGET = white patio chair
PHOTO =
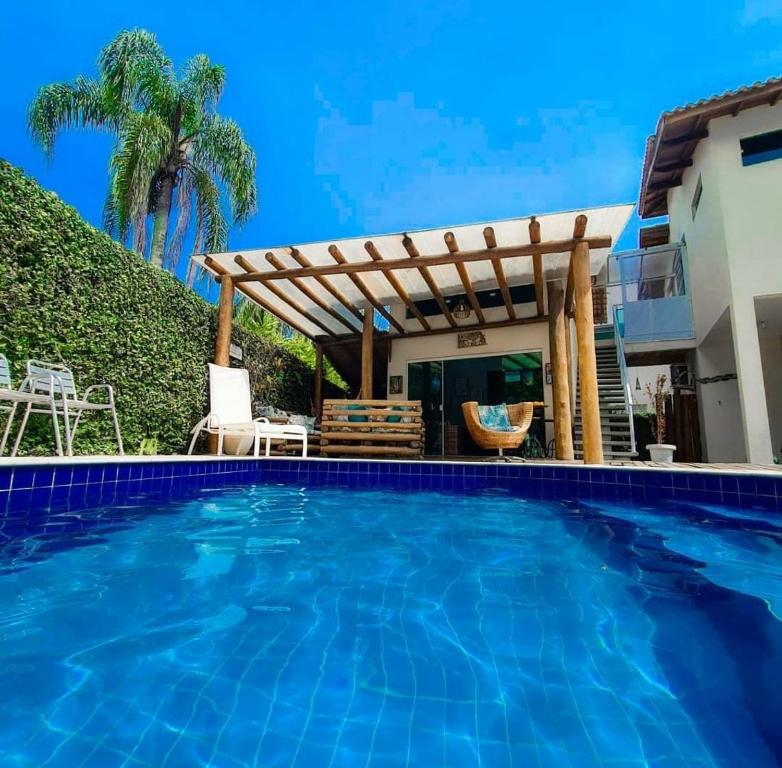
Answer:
(230, 413)
(11, 399)
(56, 382)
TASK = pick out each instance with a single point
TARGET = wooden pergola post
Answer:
(557, 328)
(587, 364)
(225, 313)
(317, 394)
(225, 310)
(367, 352)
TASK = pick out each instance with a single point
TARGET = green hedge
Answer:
(71, 294)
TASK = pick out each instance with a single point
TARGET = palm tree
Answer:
(168, 139)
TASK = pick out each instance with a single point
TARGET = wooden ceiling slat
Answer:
(215, 266)
(310, 294)
(464, 276)
(438, 331)
(409, 246)
(337, 255)
(686, 138)
(396, 285)
(303, 262)
(499, 272)
(282, 296)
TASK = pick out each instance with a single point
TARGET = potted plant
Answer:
(660, 451)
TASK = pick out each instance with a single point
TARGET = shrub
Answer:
(69, 293)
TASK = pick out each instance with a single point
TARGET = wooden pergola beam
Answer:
(587, 365)
(424, 262)
(338, 256)
(537, 264)
(557, 324)
(282, 296)
(367, 353)
(310, 294)
(440, 331)
(464, 276)
(225, 313)
(374, 254)
(412, 251)
(304, 263)
(499, 272)
(579, 230)
(223, 273)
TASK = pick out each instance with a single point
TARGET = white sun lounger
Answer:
(230, 413)
(55, 388)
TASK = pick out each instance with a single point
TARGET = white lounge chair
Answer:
(230, 414)
(11, 399)
(55, 382)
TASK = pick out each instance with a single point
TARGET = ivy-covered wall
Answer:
(71, 294)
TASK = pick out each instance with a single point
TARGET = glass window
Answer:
(696, 198)
(761, 148)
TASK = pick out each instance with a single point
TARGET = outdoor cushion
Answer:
(270, 412)
(396, 419)
(495, 417)
(356, 408)
(308, 422)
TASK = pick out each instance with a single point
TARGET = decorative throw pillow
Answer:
(495, 417)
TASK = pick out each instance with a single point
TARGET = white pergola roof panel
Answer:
(605, 221)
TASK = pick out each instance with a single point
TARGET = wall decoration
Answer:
(468, 339)
(395, 385)
(548, 373)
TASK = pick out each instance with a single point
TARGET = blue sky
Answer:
(386, 115)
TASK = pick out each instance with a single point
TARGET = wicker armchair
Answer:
(520, 417)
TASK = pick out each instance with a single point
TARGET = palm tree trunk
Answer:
(160, 228)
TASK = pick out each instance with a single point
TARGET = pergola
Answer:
(329, 292)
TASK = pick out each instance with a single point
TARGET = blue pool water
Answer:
(281, 626)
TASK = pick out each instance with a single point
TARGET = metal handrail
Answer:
(622, 361)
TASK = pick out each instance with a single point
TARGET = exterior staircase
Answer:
(615, 417)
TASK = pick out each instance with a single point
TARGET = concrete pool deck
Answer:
(720, 468)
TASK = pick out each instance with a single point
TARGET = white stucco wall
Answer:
(644, 375)
(771, 353)
(718, 401)
(734, 255)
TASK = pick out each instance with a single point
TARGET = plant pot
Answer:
(237, 445)
(661, 452)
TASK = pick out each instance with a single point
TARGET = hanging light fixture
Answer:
(461, 311)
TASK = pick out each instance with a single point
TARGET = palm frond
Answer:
(210, 220)
(220, 148)
(127, 59)
(81, 103)
(202, 86)
(140, 152)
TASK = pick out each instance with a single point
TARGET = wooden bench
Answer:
(372, 428)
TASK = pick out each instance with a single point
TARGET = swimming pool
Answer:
(287, 625)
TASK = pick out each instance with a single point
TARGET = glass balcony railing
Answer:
(654, 297)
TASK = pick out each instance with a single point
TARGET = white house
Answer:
(460, 314)
(715, 169)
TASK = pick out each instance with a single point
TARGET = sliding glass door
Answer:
(425, 383)
(443, 385)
